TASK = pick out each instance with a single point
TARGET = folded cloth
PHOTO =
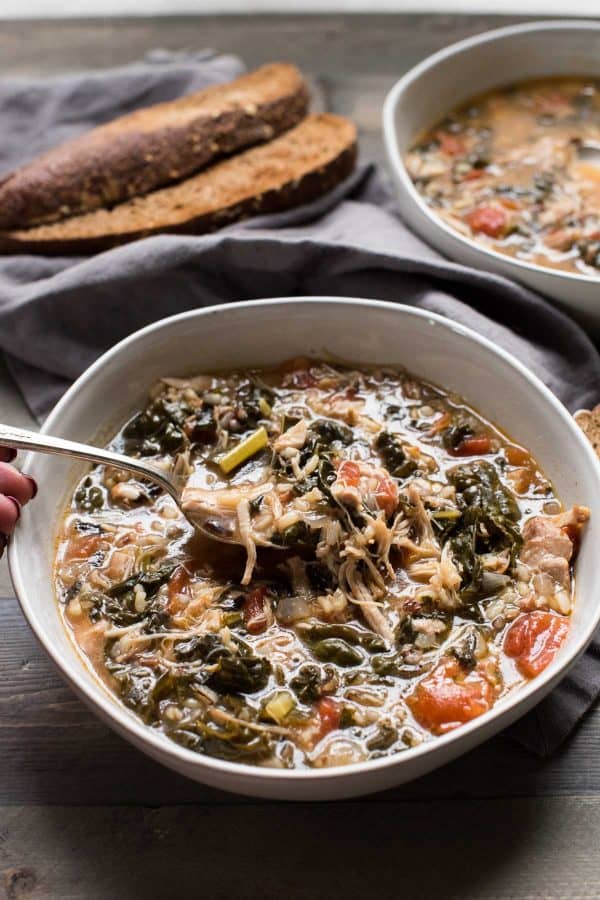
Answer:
(57, 315)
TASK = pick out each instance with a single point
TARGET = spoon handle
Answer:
(46, 443)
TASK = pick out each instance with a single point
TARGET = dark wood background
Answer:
(84, 815)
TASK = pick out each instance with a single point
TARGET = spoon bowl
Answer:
(173, 485)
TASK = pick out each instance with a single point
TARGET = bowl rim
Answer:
(159, 746)
(400, 172)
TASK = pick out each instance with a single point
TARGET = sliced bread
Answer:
(159, 145)
(589, 422)
(291, 170)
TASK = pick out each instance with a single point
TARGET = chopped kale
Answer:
(487, 524)
(310, 682)
(247, 404)
(202, 428)
(384, 738)
(327, 432)
(453, 437)
(337, 651)
(207, 648)
(393, 455)
(464, 650)
(314, 631)
(227, 671)
(142, 688)
(150, 581)
(118, 603)
(394, 665)
(230, 740)
(240, 674)
(298, 535)
(320, 577)
(157, 429)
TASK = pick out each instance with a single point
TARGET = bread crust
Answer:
(589, 422)
(278, 196)
(135, 155)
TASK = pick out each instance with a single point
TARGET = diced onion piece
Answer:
(244, 450)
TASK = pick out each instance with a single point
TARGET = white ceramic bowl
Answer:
(448, 78)
(265, 333)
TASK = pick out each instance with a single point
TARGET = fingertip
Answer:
(17, 505)
(10, 510)
(33, 484)
(14, 484)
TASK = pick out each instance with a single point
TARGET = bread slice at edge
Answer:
(152, 147)
(294, 169)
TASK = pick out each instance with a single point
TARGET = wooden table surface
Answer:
(84, 815)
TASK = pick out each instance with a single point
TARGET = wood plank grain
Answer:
(525, 849)
(322, 44)
(54, 750)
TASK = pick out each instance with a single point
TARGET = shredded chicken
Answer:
(420, 517)
(247, 538)
(548, 542)
(446, 581)
(217, 509)
(294, 437)
(359, 484)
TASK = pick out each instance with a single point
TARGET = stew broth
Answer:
(507, 169)
(402, 564)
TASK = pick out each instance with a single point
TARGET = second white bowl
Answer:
(445, 80)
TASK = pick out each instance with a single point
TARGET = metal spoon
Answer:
(46, 443)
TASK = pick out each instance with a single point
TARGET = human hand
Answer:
(16, 489)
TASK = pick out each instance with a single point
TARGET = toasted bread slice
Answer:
(152, 147)
(293, 169)
(589, 422)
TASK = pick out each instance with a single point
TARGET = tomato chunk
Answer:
(440, 424)
(386, 495)
(473, 446)
(533, 640)
(329, 714)
(516, 456)
(490, 220)
(349, 473)
(82, 546)
(257, 611)
(178, 585)
(450, 143)
(447, 698)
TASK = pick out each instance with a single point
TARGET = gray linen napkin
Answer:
(59, 314)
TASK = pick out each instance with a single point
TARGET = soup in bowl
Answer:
(402, 582)
(518, 170)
